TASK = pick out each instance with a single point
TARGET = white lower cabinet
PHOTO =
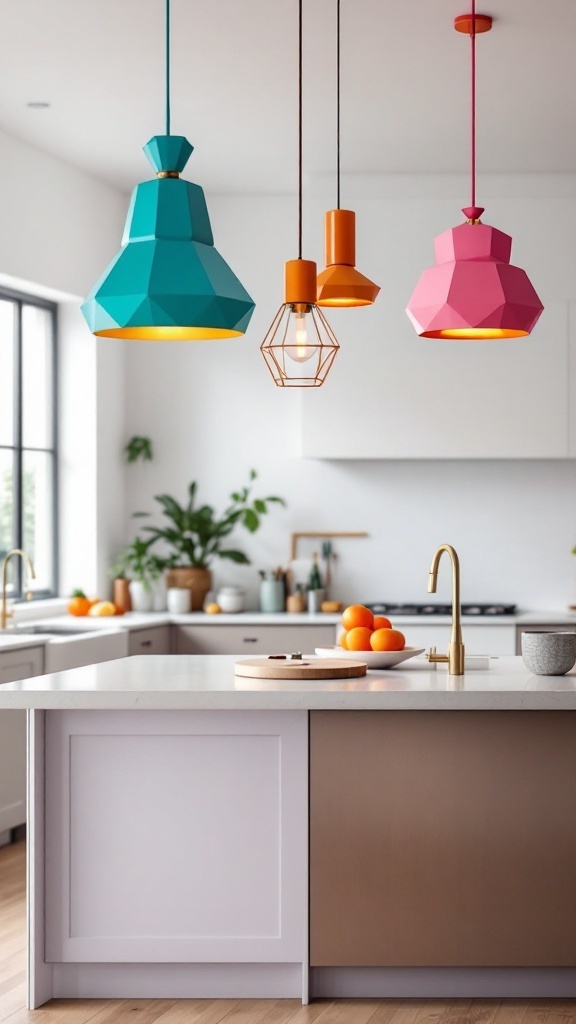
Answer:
(18, 664)
(176, 837)
(248, 640)
(155, 640)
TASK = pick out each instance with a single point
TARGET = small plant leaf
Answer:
(235, 556)
(251, 520)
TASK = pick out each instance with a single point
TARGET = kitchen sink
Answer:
(52, 631)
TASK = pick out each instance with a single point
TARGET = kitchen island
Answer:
(193, 834)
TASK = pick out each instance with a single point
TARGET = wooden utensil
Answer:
(312, 668)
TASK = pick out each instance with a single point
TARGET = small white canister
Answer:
(179, 600)
(231, 599)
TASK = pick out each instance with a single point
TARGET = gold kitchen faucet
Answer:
(455, 657)
(5, 612)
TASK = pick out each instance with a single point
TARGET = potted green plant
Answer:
(143, 570)
(195, 535)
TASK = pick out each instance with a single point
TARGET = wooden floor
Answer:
(230, 1011)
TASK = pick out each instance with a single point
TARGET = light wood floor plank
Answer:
(198, 1011)
(349, 1011)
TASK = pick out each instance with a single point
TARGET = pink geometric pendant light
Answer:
(473, 292)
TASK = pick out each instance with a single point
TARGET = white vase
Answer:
(159, 595)
(141, 595)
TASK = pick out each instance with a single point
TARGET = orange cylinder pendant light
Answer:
(340, 284)
(300, 347)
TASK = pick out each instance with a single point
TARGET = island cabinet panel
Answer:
(176, 836)
(443, 839)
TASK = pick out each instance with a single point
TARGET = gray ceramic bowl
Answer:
(549, 653)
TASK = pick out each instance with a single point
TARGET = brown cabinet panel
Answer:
(443, 838)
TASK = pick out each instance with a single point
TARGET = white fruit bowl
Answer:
(373, 659)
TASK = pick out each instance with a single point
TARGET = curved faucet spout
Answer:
(455, 656)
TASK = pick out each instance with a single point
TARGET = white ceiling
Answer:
(404, 75)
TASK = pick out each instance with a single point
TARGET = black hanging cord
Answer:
(338, 103)
(167, 67)
(299, 129)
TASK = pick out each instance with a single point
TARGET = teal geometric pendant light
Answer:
(168, 282)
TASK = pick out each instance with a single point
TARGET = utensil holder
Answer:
(272, 596)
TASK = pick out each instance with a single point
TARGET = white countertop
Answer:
(208, 682)
(143, 620)
(12, 640)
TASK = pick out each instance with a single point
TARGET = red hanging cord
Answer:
(473, 212)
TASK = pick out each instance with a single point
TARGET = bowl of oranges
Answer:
(369, 638)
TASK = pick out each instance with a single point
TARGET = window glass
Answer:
(7, 314)
(7, 526)
(37, 383)
(37, 515)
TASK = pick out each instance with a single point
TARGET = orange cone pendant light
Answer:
(300, 347)
(473, 292)
(340, 284)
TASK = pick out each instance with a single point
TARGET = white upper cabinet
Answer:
(393, 395)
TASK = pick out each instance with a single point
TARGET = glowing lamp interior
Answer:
(340, 301)
(168, 333)
(475, 333)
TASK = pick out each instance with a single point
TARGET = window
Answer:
(28, 450)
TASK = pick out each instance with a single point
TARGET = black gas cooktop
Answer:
(389, 608)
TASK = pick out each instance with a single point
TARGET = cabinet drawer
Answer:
(21, 664)
(252, 639)
(149, 641)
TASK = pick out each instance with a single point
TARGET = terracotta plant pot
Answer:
(197, 581)
(121, 595)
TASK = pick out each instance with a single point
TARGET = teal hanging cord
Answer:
(167, 67)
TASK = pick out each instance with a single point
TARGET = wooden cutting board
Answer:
(312, 668)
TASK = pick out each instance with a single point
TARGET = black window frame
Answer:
(21, 299)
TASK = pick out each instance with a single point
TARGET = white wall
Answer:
(213, 412)
(60, 227)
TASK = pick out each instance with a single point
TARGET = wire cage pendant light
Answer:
(473, 292)
(168, 282)
(300, 346)
(341, 284)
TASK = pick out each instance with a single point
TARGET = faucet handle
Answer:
(436, 659)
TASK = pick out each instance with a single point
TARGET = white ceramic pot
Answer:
(231, 599)
(179, 600)
(141, 595)
(159, 595)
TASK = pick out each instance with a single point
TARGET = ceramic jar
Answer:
(179, 600)
(231, 599)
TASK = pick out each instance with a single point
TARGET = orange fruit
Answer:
(79, 604)
(387, 640)
(381, 622)
(342, 640)
(357, 615)
(358, 639)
